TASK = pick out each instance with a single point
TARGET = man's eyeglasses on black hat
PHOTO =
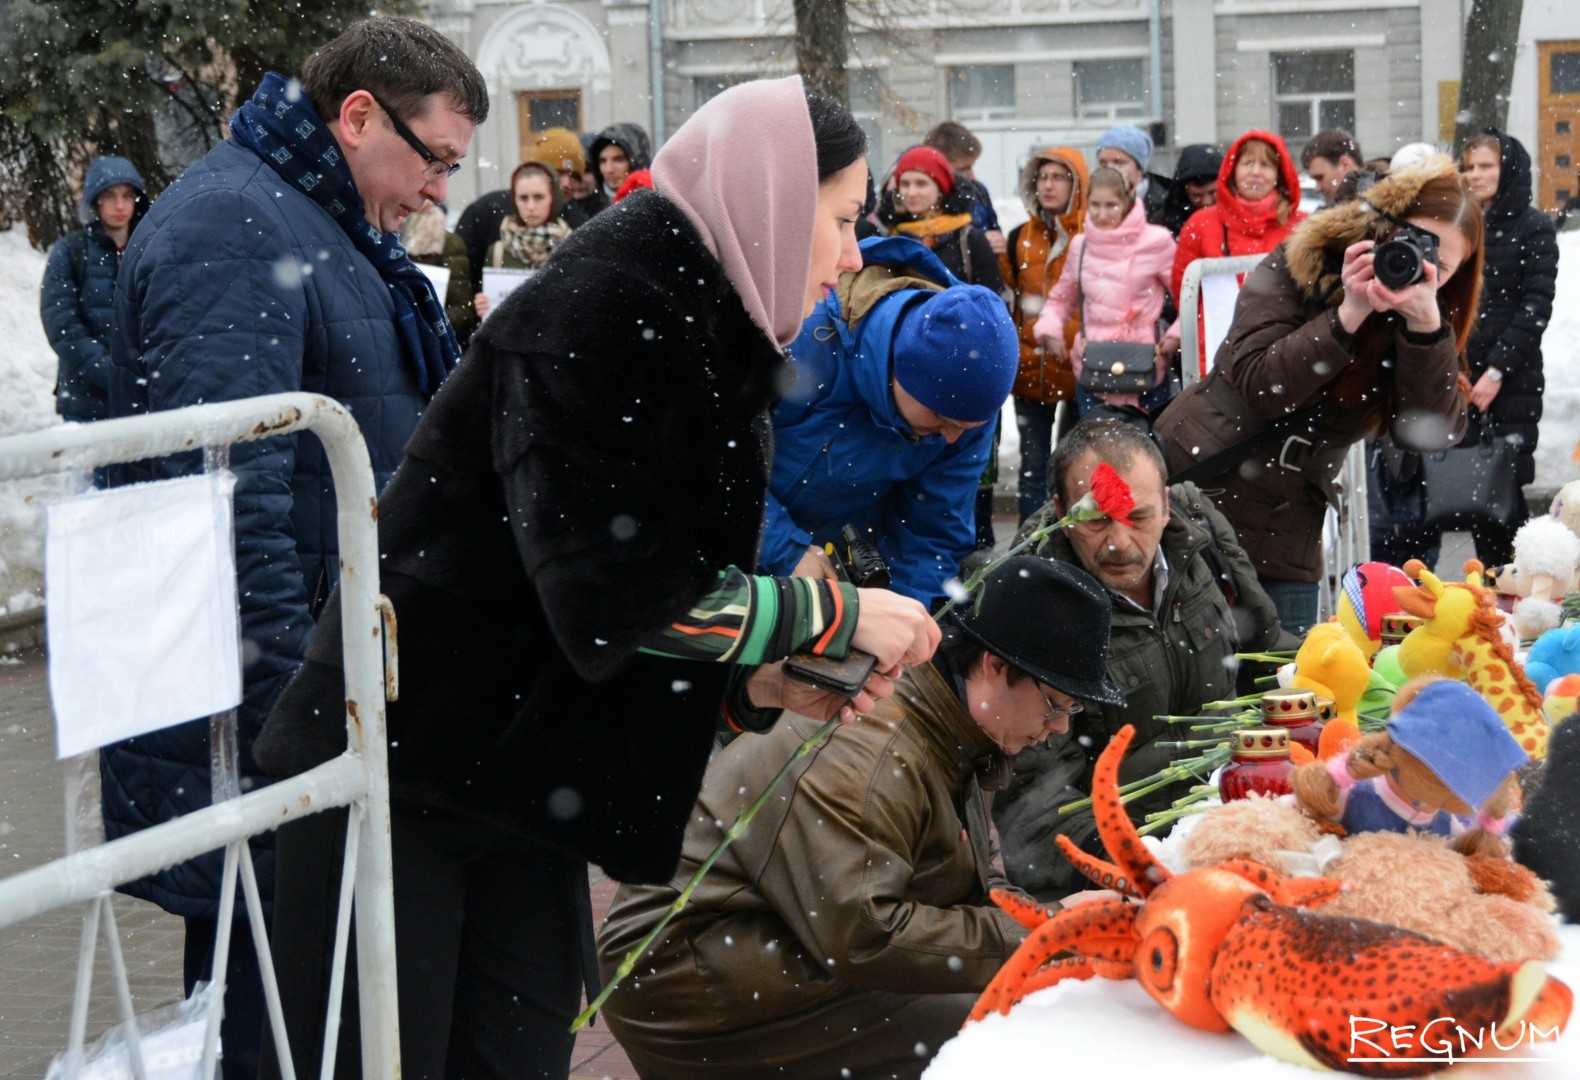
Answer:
(1054, 712)
(437, 166)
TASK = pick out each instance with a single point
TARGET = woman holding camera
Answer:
(1355, 326)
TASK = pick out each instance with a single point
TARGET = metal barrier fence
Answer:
(1346, 530)
(357, 779)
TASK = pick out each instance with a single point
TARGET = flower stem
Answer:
(738, 826)
(974, 582)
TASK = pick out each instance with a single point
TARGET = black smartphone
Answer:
(844, 677)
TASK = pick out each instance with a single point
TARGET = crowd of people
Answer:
(606, 536)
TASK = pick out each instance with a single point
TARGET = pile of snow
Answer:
(1106, 1028)
(27, 403)
(1560, 427)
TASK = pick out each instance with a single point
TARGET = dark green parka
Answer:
(1167, 664)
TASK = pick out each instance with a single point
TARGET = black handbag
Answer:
(1119, 367)
(1115, 367)
(1470, 485)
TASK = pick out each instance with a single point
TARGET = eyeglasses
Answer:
(1054, 178)
(1054, 712)
(436, 165)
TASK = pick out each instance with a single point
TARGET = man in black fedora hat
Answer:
(1184, 600)
(848, 931)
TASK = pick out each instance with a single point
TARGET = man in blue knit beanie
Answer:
(898, 377)
(1129, 149)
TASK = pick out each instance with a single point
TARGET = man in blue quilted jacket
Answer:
(274, 264)
(79, 285)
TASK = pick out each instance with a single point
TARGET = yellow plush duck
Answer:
(1331, 665)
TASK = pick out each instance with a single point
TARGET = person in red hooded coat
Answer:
(1257, 206)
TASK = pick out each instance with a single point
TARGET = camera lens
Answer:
(1397, 263)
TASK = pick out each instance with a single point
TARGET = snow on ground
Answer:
(1560, 429)
(27, 403)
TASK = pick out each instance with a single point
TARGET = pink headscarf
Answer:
(744, 171)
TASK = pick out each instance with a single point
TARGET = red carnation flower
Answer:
(1112, 494)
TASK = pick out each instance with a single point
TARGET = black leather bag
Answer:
(1117, 367)
(1469, 485)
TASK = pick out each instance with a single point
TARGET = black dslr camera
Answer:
(856, 560)
(1401, 261)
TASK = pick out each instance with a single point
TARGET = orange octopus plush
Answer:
(1229, 947)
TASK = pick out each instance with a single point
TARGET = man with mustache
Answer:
(1184, 600)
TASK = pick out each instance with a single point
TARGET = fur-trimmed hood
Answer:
(1314, 252)
(1070, 222)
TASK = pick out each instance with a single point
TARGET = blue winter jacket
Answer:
(235, 285)
(76, 301)
(844, 455)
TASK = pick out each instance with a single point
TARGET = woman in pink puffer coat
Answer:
(1117, 275)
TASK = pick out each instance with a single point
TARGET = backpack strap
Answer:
(1014, 258)
(77, 248)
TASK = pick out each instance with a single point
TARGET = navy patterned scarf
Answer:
(281, 126)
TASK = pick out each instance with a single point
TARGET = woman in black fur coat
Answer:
(568, 544)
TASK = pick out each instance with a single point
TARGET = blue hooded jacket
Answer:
(844, 455)
(78, 295)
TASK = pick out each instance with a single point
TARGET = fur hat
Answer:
(1340, 226)
(925, 159)
(956, 352)
(1128, 139)
(560, 149)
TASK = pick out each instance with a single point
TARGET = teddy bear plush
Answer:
(1566, 506)
(1388, 819)
(1482, 904)
(1330, 664)
(1445, 760)
(1546, 553)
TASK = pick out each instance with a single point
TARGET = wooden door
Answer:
(1558, 112)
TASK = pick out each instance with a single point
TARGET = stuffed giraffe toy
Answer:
(1461, 638)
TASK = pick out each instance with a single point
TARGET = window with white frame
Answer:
(1313, 91)
(980, 92)
(1110, 89)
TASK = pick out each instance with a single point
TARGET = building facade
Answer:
(1019, 73)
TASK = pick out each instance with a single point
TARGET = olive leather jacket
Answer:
(868, 867)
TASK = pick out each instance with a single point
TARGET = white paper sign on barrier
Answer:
(140, 606)
(1218, 295)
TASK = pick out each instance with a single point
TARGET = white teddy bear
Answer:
(1546, 557)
